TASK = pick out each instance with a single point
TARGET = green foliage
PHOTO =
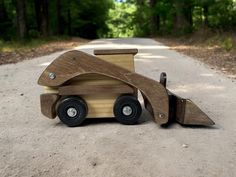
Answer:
(16, 45)
(121, 18)
(120, 21)
(224, 41)
(9, 46)
(166, 11)
(222, 15)
(90, 17)
(227, 43)
(77, 18)
(142, 19)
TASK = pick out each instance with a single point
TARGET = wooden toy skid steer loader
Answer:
(80, 86)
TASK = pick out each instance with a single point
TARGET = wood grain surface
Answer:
(48, 102)
(95, 89)
(115, 51)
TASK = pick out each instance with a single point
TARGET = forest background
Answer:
(29, 24)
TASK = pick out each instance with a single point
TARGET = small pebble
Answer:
(185, 146)
(94, 164)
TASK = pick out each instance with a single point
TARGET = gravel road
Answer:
(32, 145)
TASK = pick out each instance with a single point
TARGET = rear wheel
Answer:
(72, 111)
(127, 109)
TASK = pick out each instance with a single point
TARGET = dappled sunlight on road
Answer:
(45, 64)
(207, 74)
(198, 87)
(152, 57)
(116, 44)
(122, 46)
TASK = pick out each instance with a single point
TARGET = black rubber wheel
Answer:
(163, 79)
(127, 109)
(72, 111)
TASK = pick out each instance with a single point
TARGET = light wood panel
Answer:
(51, 90)
(100, 105)
(123, 60)
(95, 89)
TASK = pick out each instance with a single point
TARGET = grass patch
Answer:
(215, 49)
(16, 51)
(224, 41)
(12, 46)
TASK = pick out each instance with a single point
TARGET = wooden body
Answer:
(78, 68)
(100, 92)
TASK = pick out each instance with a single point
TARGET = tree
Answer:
(120, 22)
(3, 18)
(182, 16)
(59, 17)
(205, 4)
(21, 20)
(154, 18)
(41, 9)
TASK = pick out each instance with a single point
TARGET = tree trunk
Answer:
(21, 20)
(69, 21)
(45, 20)
(41, 8)
(205, 14)
(38, 14)
(189, 14)
(2, 11)
(154, 18)
(182, 18)
(59, 18)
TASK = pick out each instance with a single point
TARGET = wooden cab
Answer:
(100, 92)
(100, 104)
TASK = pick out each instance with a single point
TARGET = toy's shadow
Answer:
(95, 121)
(171, 124)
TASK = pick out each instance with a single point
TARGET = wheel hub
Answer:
(127, 110)
(71, 112)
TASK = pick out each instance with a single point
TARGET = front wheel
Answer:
(127, 109)
(72, 111)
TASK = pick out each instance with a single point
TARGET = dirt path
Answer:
(32, 145)
(213, 55)
(28, 52)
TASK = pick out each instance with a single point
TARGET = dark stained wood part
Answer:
(115, 51)
(194, 115)
(77, 63)
(48, 102)
(95, 89)
(186, 112)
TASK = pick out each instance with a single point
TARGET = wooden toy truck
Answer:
(80, 86)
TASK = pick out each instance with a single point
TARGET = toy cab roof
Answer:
(115, 51)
